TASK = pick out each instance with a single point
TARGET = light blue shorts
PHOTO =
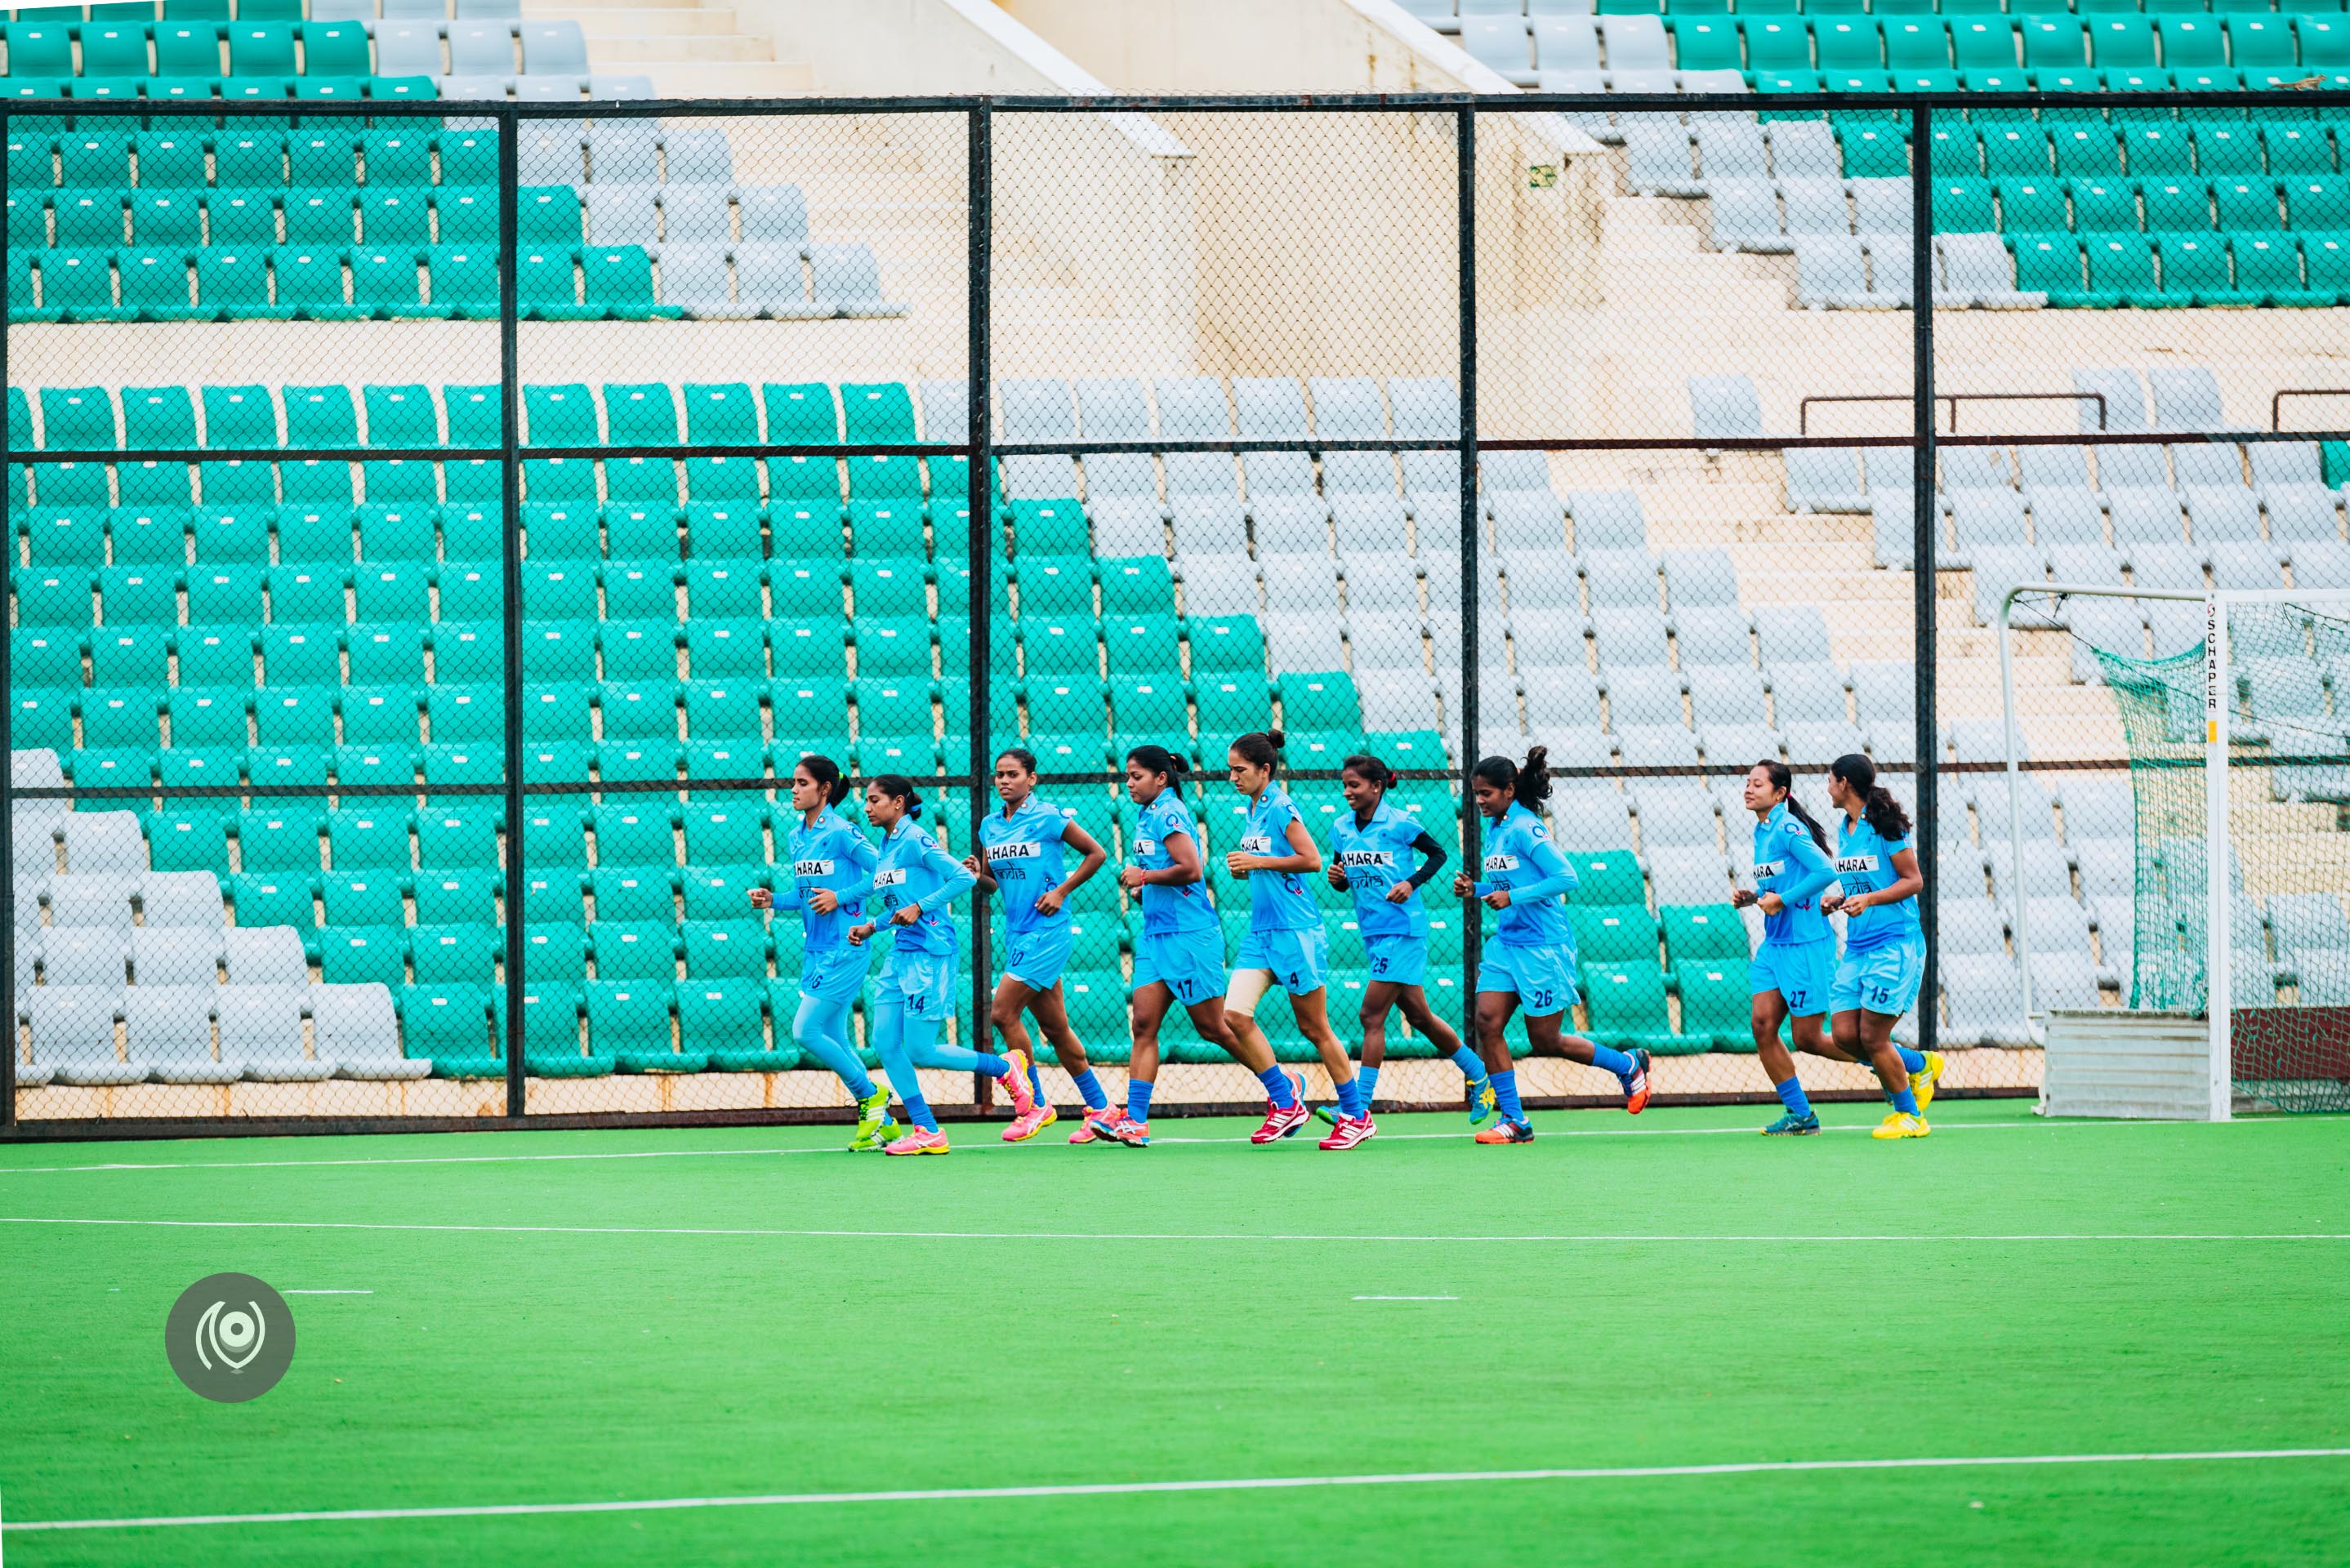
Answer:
(1802, 973)
(1398, 959)
(835, 975)
(1541, 978)
(1036, 959)
(1300, 961)
(926, 981)
(1879, 979)
(1188, 963)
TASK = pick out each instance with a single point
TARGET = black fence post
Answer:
(1925, 544)
(8, 738)
(979, 541)
(510, 545)
(1471, 918)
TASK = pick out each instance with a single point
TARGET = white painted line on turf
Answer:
(1406, 1298)
(1738, 1239)
(325, 1292)
(1942, 1129)
(1127, 1489)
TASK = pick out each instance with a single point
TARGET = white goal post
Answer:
(2218, 712)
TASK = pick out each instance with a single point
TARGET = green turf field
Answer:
(581, 1317)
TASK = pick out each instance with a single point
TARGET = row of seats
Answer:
(1658, 156)
(2248, 209)
(106, 11)
(279, 49)
(460, 282)
(1987, 42)
(629, 153)
(168, 1034)
(544, 88)
(1445, 15)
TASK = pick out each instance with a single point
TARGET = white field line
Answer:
(981, 1144)
(1127, 1489)
(1599, 1237)
(1406, 1298)
(325, 1292)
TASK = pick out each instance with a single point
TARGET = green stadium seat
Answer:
(453, 954)
(629, 1021)
(2327, 256)
(2059, 41)
(2103, 206)
(1776, 43)
(2028, 206)
(722, 1020)
(456, 895)
(2015, 151)
(1614, 933)
(2191, 41)
(2195, 272)
(1717, 1007)
(2088, 150)
(1702, 933)
(40, 49)
(875, 411)
(2318, 203)
(2247, 204)
(1917, 44)
(1626, 1006)
(2122, 41)
(2121, 272)
(1983, 42)
(334, 49)
(1605, 877)
(2299, 149)
(547, 284)
(1874, 153)
(2047, 262)
(547, 216)
(2261, 42)
(450, 1023)
(2268, 271)
(1847, 43)
(2176, 206)
(1705, 43)
(2229, 148)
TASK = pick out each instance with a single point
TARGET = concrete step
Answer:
(717, 78)
(654, 50)
(618, 22)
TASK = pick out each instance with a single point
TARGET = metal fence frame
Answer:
(981, 448)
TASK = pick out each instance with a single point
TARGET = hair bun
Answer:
(1277, 738)
(1537, 758)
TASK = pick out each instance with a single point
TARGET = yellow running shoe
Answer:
(1922, 1082)
(1901, 1123)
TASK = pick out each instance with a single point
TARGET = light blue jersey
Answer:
(914, 870)
(1789, 863)
(1023, 854)
(1169, 909)
(833, 855)
(1278, 900)
(1863, 864)
(1376, 856)
(1520, 857)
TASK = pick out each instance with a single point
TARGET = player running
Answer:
(1286, 943)
(828, 880)
(1021, 855)
(1369, 846)
(1180, 957)
(1884, 947)
(1792, 971)
(1531, 962)
(914, 880)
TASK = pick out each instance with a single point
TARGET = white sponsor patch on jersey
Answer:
(1145, 847)
(1769, 867)
(1027, 850)
(1500, 862)
(1857, 862)
(895, 878)
(1256, 844)
(1352, 858)
(813, 867)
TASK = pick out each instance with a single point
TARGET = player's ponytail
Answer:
(898, 787)
(1884, 813)
(1260, 749)
(1161, 761)
(1783, 779)
(1371, 770)
(827, 772)
(1529, 785)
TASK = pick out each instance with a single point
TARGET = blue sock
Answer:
(1792, 1095)
(1610, 1059)
(1350, 1097)
(918, 1109)
(1904, 1101)
(1276, 1083)
(1505, 1089)
(1035, 1081)
(1137, 1099)
(1914, 1061)
(1090, 1088)
(1472, 1066)
(1368, 1077)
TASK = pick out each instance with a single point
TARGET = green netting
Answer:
(2288, 689)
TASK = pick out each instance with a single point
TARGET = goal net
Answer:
(2239, 767)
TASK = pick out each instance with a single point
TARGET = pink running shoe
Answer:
(921, 1140)
(1015, 1083)
(1116, 1126)
(1280, 1123)
(1092, 1126)
(1350, 1131)
(1040, 1117)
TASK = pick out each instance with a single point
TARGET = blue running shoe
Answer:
(1793, 1126)
(1483, 1103)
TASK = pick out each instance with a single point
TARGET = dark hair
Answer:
(827, 772)
(1020, 754)
(1783, 779)
(1160, 760)
(1260, 748)
(1530, 784)
(1877, 803)
(1370, 769)
(898, 787)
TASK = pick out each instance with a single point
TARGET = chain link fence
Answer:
(441, 531)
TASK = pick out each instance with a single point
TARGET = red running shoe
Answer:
(1636, 1086)
(1350, 1131)
(1280, 1123)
